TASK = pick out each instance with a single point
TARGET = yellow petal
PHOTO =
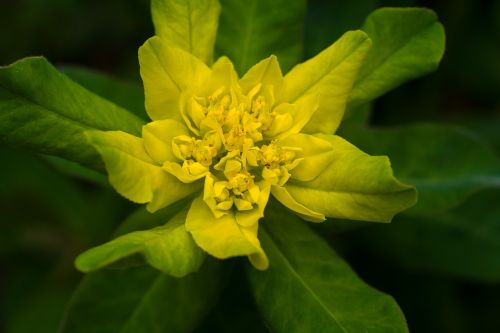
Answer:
(158, 136)
(184, 173)
(266, 72)
(166, 73)
(354, 186)
(223, 76)
(223, 237)
(301, 113)
(315, 154)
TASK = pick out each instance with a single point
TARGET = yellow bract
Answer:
(236, 141)
(239, 135)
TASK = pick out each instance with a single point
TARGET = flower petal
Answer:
(166, 72)
(329, 76)
(223, 237)
(157, 137)
(266, 72)
(282, 195)
(315, 154)
(354, 186)
(184, 174)
(223, 75)
(134, 174)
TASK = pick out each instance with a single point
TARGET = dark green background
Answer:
(42, 231)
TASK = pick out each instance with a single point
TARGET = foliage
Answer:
(154, 274)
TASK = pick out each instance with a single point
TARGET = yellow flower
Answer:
(233, 142)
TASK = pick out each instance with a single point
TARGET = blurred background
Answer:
(52, 210)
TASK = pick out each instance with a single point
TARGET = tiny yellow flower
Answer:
(233, 142)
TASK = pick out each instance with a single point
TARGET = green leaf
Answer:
(309, 288)
(187, 24)
(446, 164)
(169, 248)
(462, 242)
(142, 300)
(42, 110)
(126, 94)
(354, 186)
(407, 43)
(327, 80)
(250, 31)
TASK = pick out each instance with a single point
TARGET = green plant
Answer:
(307, 286)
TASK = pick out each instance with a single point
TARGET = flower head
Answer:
(232, 142)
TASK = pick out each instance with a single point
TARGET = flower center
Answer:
(235, 147)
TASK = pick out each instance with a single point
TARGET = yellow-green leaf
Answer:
(134, 174)
(330, 76)
(168, 248)
(354, 186)
(224, 237)
(315, 155)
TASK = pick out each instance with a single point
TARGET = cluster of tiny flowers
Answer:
(236, 148)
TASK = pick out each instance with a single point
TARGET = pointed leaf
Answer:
(309, 288)
(250, 31)
(169, 248)
(445, 163)
(266, 72)
(42, 110)
(224, 237)
(142, 300)
(329, 77)
(354, 186)
(407, 43)
(127, 162)
(190, 25)
(314, 152)
(284, 197)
